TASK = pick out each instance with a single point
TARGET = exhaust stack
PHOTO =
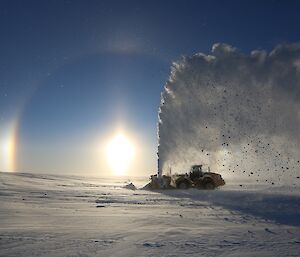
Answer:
(159, 170)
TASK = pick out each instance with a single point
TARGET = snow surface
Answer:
(47, 215)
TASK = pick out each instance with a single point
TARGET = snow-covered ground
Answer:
(47, 215)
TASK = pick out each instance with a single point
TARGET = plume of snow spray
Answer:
(237, 113)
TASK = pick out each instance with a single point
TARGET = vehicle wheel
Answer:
(209, 186)
(183, 185)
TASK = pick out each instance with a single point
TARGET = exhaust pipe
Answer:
(159, 170)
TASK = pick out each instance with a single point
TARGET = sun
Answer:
(119, 152)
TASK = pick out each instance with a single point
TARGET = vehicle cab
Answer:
(196, 172)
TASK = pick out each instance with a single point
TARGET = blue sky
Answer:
(72, 72)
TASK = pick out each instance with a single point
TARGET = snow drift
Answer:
(59, 216)
(238, 113)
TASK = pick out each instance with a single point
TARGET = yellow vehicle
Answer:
(196, 178)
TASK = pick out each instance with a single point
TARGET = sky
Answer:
(73, 74)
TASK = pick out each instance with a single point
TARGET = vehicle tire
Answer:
(183, 185)
(209, 186)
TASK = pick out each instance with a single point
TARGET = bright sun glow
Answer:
(120, 152)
